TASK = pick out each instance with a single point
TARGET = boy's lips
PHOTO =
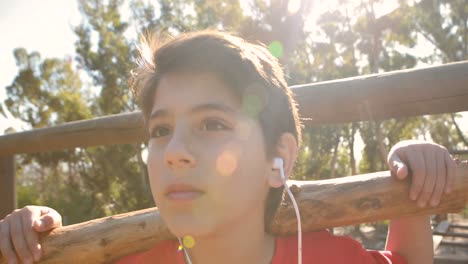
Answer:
(182, 192)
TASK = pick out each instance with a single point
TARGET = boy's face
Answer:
(200, 137)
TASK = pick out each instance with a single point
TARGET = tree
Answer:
(105, 54)
(44, 93)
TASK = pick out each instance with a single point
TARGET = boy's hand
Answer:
(19, 230)
(430, 165)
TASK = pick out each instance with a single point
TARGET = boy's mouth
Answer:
(182, 192)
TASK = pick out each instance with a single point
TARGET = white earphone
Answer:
(278, 164)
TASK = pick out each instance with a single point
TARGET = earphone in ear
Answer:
(278, 165)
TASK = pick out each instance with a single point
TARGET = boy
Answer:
(218, 111)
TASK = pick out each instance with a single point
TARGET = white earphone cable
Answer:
(185, 252)
(298, 216)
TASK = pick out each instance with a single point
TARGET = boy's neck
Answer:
(242, 242)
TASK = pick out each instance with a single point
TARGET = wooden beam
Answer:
(114, 129)
(462, 226)
(450, 259)
(361, 199)
(413, 92)
(454, 234)
(459, 152)
(7, 186)
(453, 243)
(323, 204)
(433, 90)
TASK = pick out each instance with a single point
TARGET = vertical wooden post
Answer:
(7, 185)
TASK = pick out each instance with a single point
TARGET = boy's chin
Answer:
(181, 226)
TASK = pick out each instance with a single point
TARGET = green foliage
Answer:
(443, 24)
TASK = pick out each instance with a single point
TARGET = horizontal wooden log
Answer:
(454, 243)
(433, 90)
(459, 226)
(450, 259)
(453, 234)
(413, 92)
(113, 129)
(323, 204)
(350, 200)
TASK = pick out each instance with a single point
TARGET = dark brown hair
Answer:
(252, 73)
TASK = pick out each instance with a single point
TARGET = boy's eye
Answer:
(213, 125)
(160, 132)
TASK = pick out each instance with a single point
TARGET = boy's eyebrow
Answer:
(212, 106)
(199, 108)
(158, 113)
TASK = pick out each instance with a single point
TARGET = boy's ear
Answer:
(286, 149)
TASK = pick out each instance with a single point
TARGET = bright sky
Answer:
(46, 26)
(43, 26)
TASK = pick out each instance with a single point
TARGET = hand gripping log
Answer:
(323, 204)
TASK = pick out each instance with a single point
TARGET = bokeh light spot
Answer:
(188, 241)
(294, 6)
(226, 163)
(276, 49)
(252, 105)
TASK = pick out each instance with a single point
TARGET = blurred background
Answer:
(62, 61)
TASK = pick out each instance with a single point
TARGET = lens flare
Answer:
(226, 163)
(254, 100)
(252, 105)
(188, 241)
(294, 6)
(276, 49)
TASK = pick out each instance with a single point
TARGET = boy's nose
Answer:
(177, 154)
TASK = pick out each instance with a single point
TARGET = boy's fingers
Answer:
(429, 179)
(50, 219)
(397, 166)
(19, 243)
(440, 181)
(30, 234)
(5, 243)
(418, 169)
(450, 166)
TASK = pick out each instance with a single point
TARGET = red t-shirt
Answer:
(317, 248)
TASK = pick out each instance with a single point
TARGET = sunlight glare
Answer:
(144, 154)
(294, 6)
(145, 51)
